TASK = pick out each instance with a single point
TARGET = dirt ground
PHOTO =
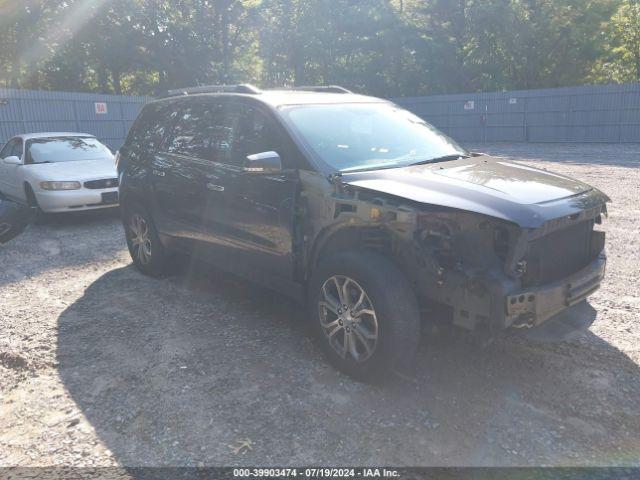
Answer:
(102, 366)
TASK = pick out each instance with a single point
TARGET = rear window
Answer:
(151, 127)
(65, 149)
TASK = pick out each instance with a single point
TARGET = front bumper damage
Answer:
(496, 304)
(568, 324)
(534, 306)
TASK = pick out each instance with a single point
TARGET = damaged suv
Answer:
(360, 209)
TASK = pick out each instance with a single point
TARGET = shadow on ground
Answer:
(81, 218)
(187, 370)
(61, 240)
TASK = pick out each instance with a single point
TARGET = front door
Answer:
(10, 184)
(252, 213)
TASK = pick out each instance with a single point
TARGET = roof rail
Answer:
(323, 88)
(241, 88)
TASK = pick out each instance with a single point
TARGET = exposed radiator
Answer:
(561, 253)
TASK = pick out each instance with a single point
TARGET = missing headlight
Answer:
(501, 242)
(436, 238)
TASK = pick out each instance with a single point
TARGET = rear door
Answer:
(183, 171)
(136, 155)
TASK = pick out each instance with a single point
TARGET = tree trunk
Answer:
(103, 79)
(117, 84)
(226, 50)
(15, 72)
(299, 74)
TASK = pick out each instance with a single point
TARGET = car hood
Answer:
(491, 186)
(81, 170)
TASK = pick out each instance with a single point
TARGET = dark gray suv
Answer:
(359, 209)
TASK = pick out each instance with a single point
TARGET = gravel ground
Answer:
(101, 366)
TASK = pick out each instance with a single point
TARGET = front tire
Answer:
(364, 314)
(39, 215)
(147, 252)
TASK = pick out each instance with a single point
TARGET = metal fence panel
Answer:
(599, 113)
(108, 117)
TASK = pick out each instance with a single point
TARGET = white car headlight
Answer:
(60, 185)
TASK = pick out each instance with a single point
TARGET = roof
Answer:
(278, 98)
(301, 97)
(29, 136)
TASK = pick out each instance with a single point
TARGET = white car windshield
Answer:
(65, 149)
(368, 136)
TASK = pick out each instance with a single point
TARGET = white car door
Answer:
(10, 175)
(5, 152)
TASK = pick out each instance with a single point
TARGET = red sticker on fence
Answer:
(101, 108)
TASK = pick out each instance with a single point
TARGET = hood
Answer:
(510, 191)
(81, 170)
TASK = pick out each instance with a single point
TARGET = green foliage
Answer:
(621, 39)
(381, 47)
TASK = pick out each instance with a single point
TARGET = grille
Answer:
(102, 183)
(559, 254)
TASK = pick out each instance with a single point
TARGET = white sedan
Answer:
(59, 172)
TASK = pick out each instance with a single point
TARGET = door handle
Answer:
(215, 188)
(159, 173)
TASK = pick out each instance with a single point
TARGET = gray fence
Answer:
(108, 117)
(606, 113)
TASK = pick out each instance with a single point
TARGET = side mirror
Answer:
(265, 162)
(12, 160)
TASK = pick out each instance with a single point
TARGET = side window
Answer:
(7, 149)
(193, 132)
(256, 133)
(205, 131)
(224, 134)
(17, 149)
(150, 128)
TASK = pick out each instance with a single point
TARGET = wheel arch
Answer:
(343, 237)
(131, 197)
(29, 190)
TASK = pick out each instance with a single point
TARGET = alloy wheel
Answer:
(348, 318)
(140, 238)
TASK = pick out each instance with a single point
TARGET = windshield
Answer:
(368, 136)
(67, 149)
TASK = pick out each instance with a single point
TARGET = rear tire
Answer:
(147, 252)
(379, 330)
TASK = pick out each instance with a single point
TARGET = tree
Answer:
(382, 47)
(620, 61)
(22, 26)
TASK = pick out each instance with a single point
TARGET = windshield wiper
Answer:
(395, 164)
(373, 168)
(443, 158)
